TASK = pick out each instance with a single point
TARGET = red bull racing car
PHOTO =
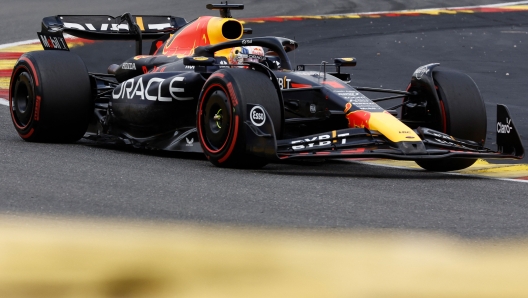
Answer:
(205, 87)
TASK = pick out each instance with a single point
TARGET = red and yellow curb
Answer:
(9, 56)
(409, 13)
(481, 168)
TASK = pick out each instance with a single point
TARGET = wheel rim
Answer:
(216, 121)
(23, 100)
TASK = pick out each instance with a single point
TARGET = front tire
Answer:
(50, 97)
(222, 112)
(462, 115)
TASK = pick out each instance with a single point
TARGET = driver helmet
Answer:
(240, 55)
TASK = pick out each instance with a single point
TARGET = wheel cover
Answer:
(215, 120)
(23, 100)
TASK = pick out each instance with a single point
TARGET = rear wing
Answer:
(103, 27)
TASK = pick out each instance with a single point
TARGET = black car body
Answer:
(185, 96)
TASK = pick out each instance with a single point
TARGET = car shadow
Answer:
(347, 169)
(306, 167)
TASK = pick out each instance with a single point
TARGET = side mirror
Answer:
(199, 61)
(345, 62)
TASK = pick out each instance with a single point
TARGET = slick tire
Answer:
(462, 115)
(221, 115)
(50, 97)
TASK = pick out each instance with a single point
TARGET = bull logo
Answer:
(358, 119)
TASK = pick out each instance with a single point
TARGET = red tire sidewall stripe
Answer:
(29, 134)
(444, 117)
(32, 68)
(232, 146)
(36, 108)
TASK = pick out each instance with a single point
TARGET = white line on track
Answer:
(18, 43)
(24, 42)
(4, 102)
(426, 9)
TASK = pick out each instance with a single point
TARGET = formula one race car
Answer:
(241, 99)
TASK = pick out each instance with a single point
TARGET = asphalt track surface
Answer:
(87, 180)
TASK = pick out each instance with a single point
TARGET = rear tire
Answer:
(462, 115)
(222, 113)
(50, 97)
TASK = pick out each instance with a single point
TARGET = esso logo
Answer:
(257, 116)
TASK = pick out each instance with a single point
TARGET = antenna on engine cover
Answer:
(225, 8)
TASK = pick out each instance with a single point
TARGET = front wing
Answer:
(364, 143)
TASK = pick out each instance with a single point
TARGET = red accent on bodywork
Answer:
(359, 119)
(144, 68)
(158, 69)
(353, 151)
(334, 84)
(295, 85)
(188, 38)
(323, 153)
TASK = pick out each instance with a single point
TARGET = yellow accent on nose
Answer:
(392, 128)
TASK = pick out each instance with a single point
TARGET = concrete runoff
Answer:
(43, 257)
